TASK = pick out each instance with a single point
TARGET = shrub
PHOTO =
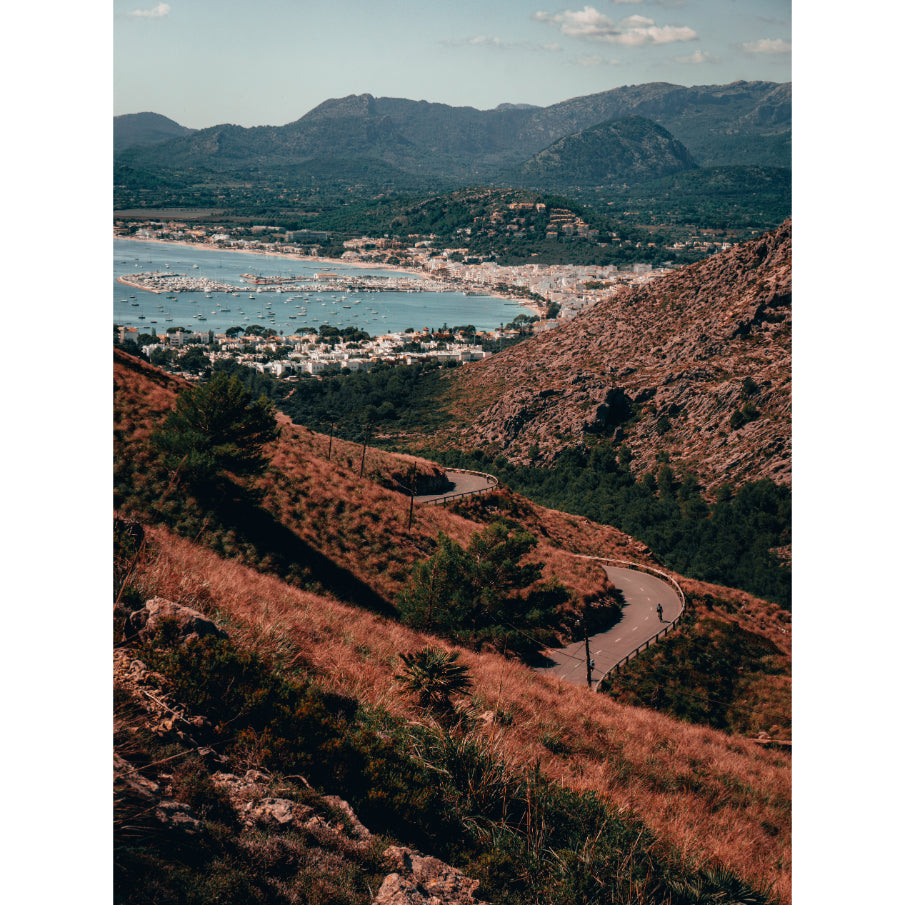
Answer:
(434, 675)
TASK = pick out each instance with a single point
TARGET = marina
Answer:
(183, 285)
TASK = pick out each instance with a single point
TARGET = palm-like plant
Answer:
(434, 676)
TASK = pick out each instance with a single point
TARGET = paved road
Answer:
(639, 622)
(463, 482)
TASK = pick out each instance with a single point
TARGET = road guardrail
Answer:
(640, 567)
(445, 498)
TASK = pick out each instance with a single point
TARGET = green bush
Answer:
(472, 594)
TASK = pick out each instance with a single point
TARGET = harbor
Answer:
(159, 286)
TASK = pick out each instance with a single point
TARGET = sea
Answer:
(287, 311)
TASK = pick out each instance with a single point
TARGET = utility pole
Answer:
(589, 663)
(364, 448)
(412, 496)
(330, 447)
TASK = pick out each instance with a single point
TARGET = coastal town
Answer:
(548, 294)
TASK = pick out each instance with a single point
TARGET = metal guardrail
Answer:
(640, 567)
(445, 498)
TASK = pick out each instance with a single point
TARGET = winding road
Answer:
(639, 623)
(464, 482)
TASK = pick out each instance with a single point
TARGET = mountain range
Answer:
(744, 123)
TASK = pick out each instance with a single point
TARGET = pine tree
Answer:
(217, 427)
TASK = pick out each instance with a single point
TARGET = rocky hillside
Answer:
(266, 750)
(696, 364)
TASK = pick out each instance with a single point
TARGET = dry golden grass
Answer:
(710, 795)
(713, 797)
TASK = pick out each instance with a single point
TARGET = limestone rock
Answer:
(147, 620)
(173, 815)
(273, 811)
(422, 880)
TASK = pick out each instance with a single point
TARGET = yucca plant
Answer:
(434, 675)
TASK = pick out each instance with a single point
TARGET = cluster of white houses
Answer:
(307, 354)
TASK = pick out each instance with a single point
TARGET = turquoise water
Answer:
(374, 312)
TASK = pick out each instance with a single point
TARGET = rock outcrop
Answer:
(190, 623)
(277, 818)
(420, 880)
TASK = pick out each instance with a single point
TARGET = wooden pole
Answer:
(364, 449)
(412, 495)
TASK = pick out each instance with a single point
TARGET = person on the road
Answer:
(660, 611)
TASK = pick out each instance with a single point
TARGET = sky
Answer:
(207, 62)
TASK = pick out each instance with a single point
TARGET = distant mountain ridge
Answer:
(135, 129)
(742, 123)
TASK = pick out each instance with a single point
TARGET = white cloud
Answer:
(484, 41)
(636, 22)
(582, 23)
(699, 56)
(768, 45)
(653, 34)
(589, 24)
(162, 9)
(500, 44)
(597, 61)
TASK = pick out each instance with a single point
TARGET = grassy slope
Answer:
(709, 794)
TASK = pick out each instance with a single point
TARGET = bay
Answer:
(286, 311)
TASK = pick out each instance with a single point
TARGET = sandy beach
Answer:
(209, 246)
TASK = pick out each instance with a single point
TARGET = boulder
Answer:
(147, 620)
(421, 880)
(272, 811)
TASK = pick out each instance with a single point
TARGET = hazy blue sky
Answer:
(204, 62)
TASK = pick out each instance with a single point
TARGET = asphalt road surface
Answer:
(639, 623)
(463, 482)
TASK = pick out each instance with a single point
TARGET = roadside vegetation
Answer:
(426, 770)
(714, 672)
(730, 541)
